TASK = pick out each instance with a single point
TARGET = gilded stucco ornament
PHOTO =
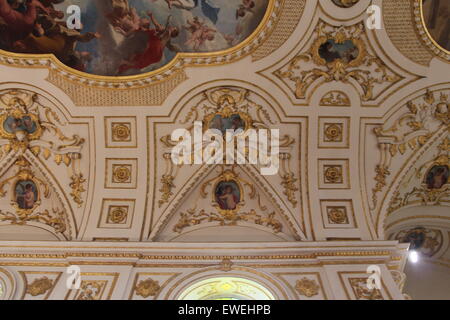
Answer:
(228, 197)
(307, 287)
(359, 286)
(412, 129)
(91, 290)
(335, 98)
(230, 108)
(39, 286)
(338, 54)
(28, 125)
(147, 288)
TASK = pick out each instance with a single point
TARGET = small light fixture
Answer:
(414, 256)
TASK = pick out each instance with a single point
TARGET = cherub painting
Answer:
(26, 194)
(126, 37)
(234, 122)
(331, 51)
(228, 195)
(437, 177)
(13, 125)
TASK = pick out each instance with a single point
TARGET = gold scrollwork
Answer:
(192, 218)
(355, 64)
(77, 186)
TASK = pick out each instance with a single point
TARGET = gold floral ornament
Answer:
(39, 286)
(148, 288)
(333, 174)
(118, 215)
(338, 54)
(337, 215)
(28, 125)
(121, 132)
(77, 186)
(121, 174)
(334, 132)
(307, 287)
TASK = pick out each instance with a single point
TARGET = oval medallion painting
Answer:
(126, 37)
(228, 195)
(436, 16)
(26, 194)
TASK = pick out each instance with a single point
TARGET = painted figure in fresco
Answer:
(211, 12)
(19, 19)
(124, 19)
(331, 51)
(234, 122)
(13, 125)
(437, 177)
(227, 196)
(126, 43)
(31, 27)
(60, 41)
(246, 7)
(158, 39)
(437, 20)
(26, 195)
(199, 33)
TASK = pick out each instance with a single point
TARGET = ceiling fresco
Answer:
(436, 15)
(126, 37)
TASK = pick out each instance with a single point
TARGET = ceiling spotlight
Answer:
(413, 256)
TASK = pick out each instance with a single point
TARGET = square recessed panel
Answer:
(334, 132)
(334, 174)
(338, 214)
(121, 173)
(355, 286)
(120, 132)
(117, 214)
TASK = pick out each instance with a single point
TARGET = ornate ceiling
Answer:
(364, 124)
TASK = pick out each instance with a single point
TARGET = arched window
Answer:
(226, 288)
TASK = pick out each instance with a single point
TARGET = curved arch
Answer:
(8, 284)
(395, 184)
(277, 289)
